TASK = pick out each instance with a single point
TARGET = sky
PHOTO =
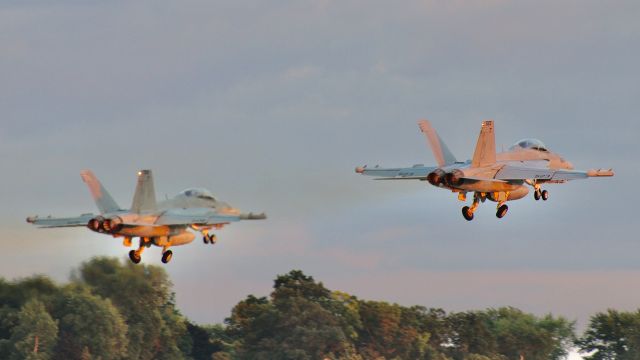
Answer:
(271, 105)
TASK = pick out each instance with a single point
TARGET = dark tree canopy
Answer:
(116, 310)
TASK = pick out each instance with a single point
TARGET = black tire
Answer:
(166, 256)
(502, 211)
(213, 239)
(135, 258)
(536, 195)
(545, 195)
(205, 239)
(468, 215)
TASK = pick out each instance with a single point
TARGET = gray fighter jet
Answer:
(164, 224)
(499, 177)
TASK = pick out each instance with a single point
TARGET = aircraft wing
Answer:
(509, 172)
(416, 172)
(206, 217)
(54, 222)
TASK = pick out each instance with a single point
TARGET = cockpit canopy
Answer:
(533, 144)
(198, 193)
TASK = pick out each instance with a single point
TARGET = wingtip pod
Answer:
(252, 216)
(600, 173)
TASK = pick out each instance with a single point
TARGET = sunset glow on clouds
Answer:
(272, 106)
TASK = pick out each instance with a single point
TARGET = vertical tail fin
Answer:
(145, 197)
(485, 153)
(103, 200)
(440, 150)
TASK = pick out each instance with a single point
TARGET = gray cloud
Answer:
(272, 106)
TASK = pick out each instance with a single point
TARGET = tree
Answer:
(613, 335)
(520, 335)
(300, 321)
(89, 325)
(36, 334)
(471, 334)
(142, 294)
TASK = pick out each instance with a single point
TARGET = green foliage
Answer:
(391, 331)
(612, 335)
(115, 310)
(81, 316)
(142, 294)
(509, 333)
(35, 334)
(301, 321)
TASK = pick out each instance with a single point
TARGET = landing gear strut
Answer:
(136, 255)
(467, 212)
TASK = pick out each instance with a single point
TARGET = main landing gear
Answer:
(136, 255)
(468, 211)
(502, 210)
(166, 256)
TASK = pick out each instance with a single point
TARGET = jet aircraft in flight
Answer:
(499, 177)
(164, 223)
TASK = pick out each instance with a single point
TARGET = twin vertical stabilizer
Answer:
(440, 150)
(144, 200)
(485, 153)
(104, 201)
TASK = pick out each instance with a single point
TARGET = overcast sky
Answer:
(271, 105)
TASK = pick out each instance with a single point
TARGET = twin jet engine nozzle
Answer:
(110, 225)
(442, 178)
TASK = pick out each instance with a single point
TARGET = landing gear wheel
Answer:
(213, 239)
(166, 256)
(502, 211)
(536, 195)
(205, 239)
(135, 258)
(545, 195)
(466, 212)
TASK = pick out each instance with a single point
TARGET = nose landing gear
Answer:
(208, 238)
(539, 193)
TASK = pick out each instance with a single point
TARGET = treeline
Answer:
(114, 310)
